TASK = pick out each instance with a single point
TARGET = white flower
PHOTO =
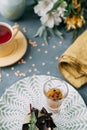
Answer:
(57, 19)
(43, 7)
(61, 11)
(52, 18)
(48, 20)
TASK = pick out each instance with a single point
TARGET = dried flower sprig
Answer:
(39, 120)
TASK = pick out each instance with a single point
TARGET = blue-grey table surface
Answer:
(41, 59)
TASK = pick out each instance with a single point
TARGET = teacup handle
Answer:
(15, 29)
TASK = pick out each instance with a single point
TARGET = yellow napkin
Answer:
(73, 62)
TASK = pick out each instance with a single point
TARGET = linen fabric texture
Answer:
(73, 62)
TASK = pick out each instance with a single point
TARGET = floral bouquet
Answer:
(53, 13)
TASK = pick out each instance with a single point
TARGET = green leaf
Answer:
(33, 118)
(58, 33)
(51, 31)
(32, 127)
(55, 6)
(40, 31)
(81, 1)
(33, 121)
(71, 10)
(45, 36)
(75, 34)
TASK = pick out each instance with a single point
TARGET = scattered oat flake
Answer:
(43, 63)
(30, 70)
(60, 42)
(38, 50)
(12, 68)
(33, 65)
(22, 61)
(7, 75)
(48, 73)
(33, 43)
(43, 44)
(18, 71)
(24, 29)
(16, 74)
(57, 58)
(30, 57)
(54, 46)
(22, 74)
(46, 52)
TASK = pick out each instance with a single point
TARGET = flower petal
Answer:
(48, 20)
(43, 7)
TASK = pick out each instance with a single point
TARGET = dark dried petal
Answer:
(41, 120)
(44, 111)
(25, 126)
(44, 122)
(50, 123)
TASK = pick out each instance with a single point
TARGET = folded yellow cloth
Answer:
(73, 62)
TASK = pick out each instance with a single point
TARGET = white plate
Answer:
(14, 105)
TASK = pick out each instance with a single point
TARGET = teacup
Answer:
(7, 35)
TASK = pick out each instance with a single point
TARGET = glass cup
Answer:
(55, 91)
(7, 35)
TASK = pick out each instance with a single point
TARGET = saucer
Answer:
(20, 47)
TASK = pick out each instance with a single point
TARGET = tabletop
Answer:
(39, 59)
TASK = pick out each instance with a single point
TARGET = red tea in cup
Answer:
(5, 34)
